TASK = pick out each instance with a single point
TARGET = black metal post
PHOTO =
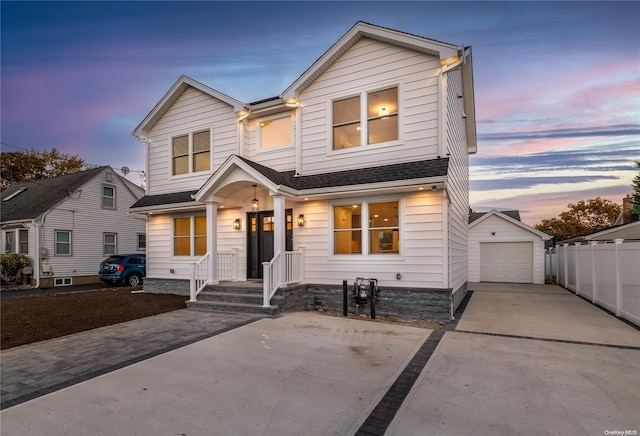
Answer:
(372, 293)
(345, 309)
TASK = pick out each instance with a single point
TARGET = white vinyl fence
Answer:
(607, 274)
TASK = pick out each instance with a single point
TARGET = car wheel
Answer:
(134, 279)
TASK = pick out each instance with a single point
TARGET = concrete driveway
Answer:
(513, 365)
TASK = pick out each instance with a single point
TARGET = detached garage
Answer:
(504, 249)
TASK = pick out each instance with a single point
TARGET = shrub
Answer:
(11, 265)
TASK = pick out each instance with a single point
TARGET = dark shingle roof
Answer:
(41, 195)
(511, 213)
(360, 176)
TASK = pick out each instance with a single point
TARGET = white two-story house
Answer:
(358, 169)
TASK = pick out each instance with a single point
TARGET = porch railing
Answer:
(200, 271)
(199, 276)
(271, 273)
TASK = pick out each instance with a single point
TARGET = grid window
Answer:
(108, 197)
(63, 243)
(347, 229)
(190, 236)
(191, 152)
(383, 228)
(23, 241)
(346, 123)
(109, 244)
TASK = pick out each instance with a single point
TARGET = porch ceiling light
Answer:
(236, 224)
(255, 204)
(301, 220)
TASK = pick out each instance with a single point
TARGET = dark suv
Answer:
(128, 269)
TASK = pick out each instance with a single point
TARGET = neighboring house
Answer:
(627, 232)
(504, 249)
(358, 169)
(68, 224)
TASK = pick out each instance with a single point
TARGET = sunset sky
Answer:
(557, 84)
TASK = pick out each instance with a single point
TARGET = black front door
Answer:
(260, 232)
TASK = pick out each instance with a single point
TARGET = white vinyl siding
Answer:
(365, 67)
(281, 158)
(495, 229)
(83, 215)
(192, 112)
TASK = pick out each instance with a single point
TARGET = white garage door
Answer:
(510, 262)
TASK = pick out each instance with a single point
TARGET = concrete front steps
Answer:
(245, 297)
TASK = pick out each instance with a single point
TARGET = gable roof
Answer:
(178, 88)
(629, 232)
(40, 195)
(428, 171)
(511, 220)
(512, 213)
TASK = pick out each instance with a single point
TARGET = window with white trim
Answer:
(275, 132)
(368, 224)
(16, 241)
(190, 236)
(62, 242)
(142, 241)
(109, 243)
(368, 118)
(108, 197)
(191, 153)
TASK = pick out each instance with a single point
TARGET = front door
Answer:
(260, 232)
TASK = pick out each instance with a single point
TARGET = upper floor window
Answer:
(16, 241)
(63, 242)
(369, 118)
(275, 132)
(108, 197)
(191, 152)
(190, 236)
(372, 225)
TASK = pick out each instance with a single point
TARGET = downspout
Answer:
(240, 131)
(298, 137)
(36, 264)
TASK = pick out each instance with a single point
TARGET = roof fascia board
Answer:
(520, 224)
(358, 31)
(169, 98)
(172, 207)
(350, 189)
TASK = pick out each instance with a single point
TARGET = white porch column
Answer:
(212, 242)
(279, 236)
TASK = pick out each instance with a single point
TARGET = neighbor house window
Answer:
(372, 225)
(16, 241)
(108, 197)
(190, 236)
(191, 152)
(109, 244)
(351, 127)
(142, 241)
(63, 242)
(275, 132)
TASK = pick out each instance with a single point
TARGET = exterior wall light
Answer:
(236, 224)
(292, 102)
(300, 220)
(255, 205)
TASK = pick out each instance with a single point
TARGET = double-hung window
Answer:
(16, 241)
(191, 153)
(110, 243)
(369, 226)
(108, 197)
(142, 241)
(190, 236)
(368, 118)
(63, 242)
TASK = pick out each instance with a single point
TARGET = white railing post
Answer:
(192, 282)
(266, 284)
(234, 273)
(301, 264)
(594, 290)
(618, 276)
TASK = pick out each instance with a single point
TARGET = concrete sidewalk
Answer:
(515, 365)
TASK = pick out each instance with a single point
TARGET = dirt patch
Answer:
(390, 319)
(40, 317)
